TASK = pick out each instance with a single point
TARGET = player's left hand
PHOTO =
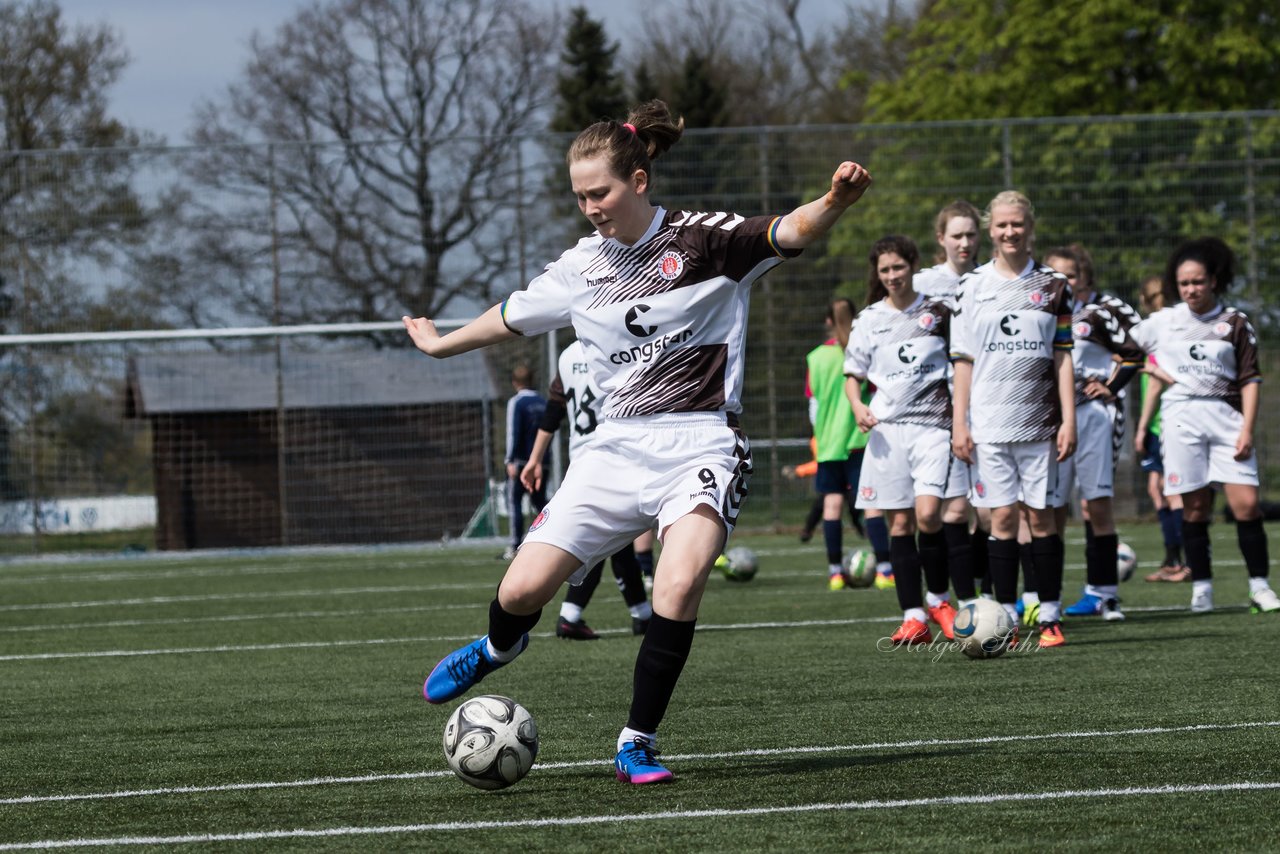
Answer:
(849, 182)
(423, 332)
(1244, 446)
(531, 476)
(1096, 389)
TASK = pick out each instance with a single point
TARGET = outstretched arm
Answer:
(486, 329)
(808, 222)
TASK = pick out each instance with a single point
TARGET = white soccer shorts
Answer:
(639, 471)
(1091, 469)
(1010, 472)
(903, 461)
(1198, 444)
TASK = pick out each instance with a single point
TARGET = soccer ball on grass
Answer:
(738, 564)
(1126, 561)
(490, 741)
(860, 568)
(983, 628)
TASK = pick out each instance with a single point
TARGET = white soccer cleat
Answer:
(1202, 601)
(1111, 610)
(1265, 601)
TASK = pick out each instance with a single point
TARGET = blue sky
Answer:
(190, 50)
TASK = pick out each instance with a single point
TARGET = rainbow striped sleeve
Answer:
(1062, 339)
(773, 237)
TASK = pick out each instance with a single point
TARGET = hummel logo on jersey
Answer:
(634, 327)
(603, 280)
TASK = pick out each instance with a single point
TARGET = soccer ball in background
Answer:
(1126, 561)
(738, 564)
(983, 629)
(860, 568)
(490, 741)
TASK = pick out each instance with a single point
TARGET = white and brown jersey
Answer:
(904, 355)
(1103, 349)
(572, 397)
(1010, 329)
(1210, 355)
(663, 322)
(939, 282)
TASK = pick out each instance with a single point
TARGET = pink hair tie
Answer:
(629, 126)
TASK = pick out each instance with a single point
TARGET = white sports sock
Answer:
(1106, 591)
(914, 614)
(1030, 598)
(1050, 611)
(1207, 584)
(571, 612)
(933, 600)
(643, 611)
(834, 569)
(502, 657)
(628, 735)
(1257, 584)
(1012, 611)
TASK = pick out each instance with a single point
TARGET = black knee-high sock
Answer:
(959, 559)
(645, 559)
(1030, 582)
(1047, 555)
(663, 652)
(905, 558)
(1253, 546)
(833, 536)
(980, 558)
(1195, 544)
(1100, 560)
(1171, 529)
(626, 571)
(506, 629)
(1003, 569)
(933, 558)
(580, 594)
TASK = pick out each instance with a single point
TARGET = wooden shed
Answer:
(366, 446)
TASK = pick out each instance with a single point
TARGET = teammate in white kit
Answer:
(956, 231)
(1105, 359)
(1015, 400)
(659, 301)
(1206, 355)
(899, 343)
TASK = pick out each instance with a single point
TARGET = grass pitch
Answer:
(273, 702)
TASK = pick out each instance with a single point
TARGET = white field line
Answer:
(227, 597)
(260, 647)
(669, 815)
(285, 567)
(237, 618)
(912, 744)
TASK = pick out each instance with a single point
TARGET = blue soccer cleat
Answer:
(1088, 606)
(637, 763)
(460, 669)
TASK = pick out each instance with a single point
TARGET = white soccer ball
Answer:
(739, 564)
(983, 629)
(1126, 561)
(860, 568)
(490, 741)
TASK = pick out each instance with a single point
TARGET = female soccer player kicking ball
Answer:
(659, 300)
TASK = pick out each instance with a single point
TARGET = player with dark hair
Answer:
(1206, 356)
(899, 344)
(1105, 359)
(1014, 382)
(659, 301)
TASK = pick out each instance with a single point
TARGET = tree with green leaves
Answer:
(588, 87)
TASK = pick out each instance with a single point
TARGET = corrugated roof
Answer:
(239, 382)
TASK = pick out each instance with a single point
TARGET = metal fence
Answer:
(284, 234)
